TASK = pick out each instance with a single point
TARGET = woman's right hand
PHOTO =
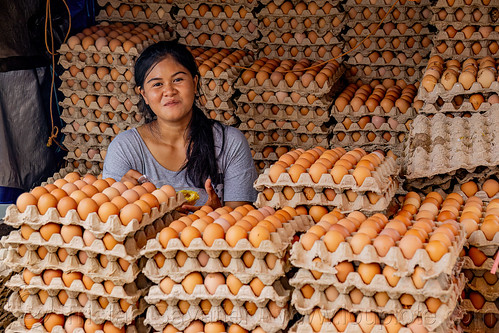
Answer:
(131, 176)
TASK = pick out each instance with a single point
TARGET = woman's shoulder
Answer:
(229, 132)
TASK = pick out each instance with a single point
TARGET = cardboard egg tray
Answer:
(322, 102)
(84, 167)
(445, 288)
(278, 244)
(92, 309)
(72, 114)
(450, 107)
(133, 97)
(282, 129)
(19, 327)
(130, 292)
(450, 52)
(212, 26)
(293, 41)
(368, 304)
(92, 267)
(262, 112)
(318, 2)
(370, 127)
(84, 140)
(78, 127)
(91, 90)
(80, 76)
(305, 14)
(394, 258)
(481, 194)
(312, 53)
(379, 182)
(460, 3)
(262, 317)
(305, 142)
(394, 113)
(380, 62)
(236, 16)
(160, 13)
(460, 36)
(366, 72)
(443, 145)
(487, 264)
(275, 292)
(251, 45)
(488, 18)
(313, 87)
(258, 155)
(383, 4)
(236, 267)
(225, 96)
(286, 25)
(303, 326)
(380, 33)
(478, 324)
(489, 292)
(97, 158)
(112, 226)
(232, 73)
(120, 63)
(418, 47)
(488, 307)
(407, 14)
(249, 4)
(341, 201)
(478, 239)
(67, 102)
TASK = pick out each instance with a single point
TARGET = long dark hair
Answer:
(201, 157)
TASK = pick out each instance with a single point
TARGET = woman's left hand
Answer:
(213, 199)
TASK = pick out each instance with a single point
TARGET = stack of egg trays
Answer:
(191, 26)
(149, 11)
(364, 71)
(408, 70)
(277, 133)
(5, 316)
(218, 103)
(129, 285)
(379, 142)
(300, 45)
(475, 13)
(443, 281)
(278, 245)
(94, 117)
(438, 147)
(382, 181)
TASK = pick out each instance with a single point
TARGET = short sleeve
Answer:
(118, 157)
(239, 171)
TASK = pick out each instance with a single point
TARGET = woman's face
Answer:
(169, 90)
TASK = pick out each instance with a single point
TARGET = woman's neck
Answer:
(170, 133)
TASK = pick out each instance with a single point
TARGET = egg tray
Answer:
(457, 90)
(306, 42)
(449, 107)
(394, 258)
(296, 142)
(356, 14)
(481, 194)
(340, 201)
(367, 3)
(335, 12)
(442, 145)
(380, 62)
(379, 181)
(80, 76)
(283, 52)
(97, 158)
(92, 268)
(368, 304)
(130, 292)
(92, 309)
(460, 3)
(488, 307)
(276, 293)
(371, 127)
(282, 129)
(217, 29)
(381, 73)
(446, 288)
(67, 91)
(475, 37)
(123, 121)
(417, 48)
(355, 116)
(159, 15)
(287, 26)
(489, 292)
(80, 140)
(218, 92)
(323, 102)
(19, 327)
(486, 265)
(468, 52)
(303, 326)
(94, 106)
(72, 113)
(116, 62)
(258, 155)
(380, 33)
(222, 16)
(296, 115)
(232, 73)
(262, 317)
(248, 4)
(236, 267)
(117, 53)
(93, 223)
(249, 46)
(478, 325)
(319, 3)
(489, 18)
(278, 244)
(95, 131)
(478, 239)
(313, 87)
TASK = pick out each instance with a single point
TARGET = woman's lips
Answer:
(171, 103)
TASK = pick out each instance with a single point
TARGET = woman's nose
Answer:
(169, 89)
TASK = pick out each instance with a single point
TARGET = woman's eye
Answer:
(157, 84)
(177, 79)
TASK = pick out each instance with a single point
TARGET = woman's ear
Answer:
(196, 80)
(143, 94)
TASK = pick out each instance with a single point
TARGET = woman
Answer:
(178, 145)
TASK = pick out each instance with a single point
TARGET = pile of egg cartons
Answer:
(5, 316)
(301, 29)
(221, 24)
(220, 270)
(77, 252)
(375, 115)
(99, 89)
(350, 181)
(363, 274)
(396, 49)
(149, 11)
(219, 69)
(286, 103)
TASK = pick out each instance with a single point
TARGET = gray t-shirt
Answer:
(129, 151)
